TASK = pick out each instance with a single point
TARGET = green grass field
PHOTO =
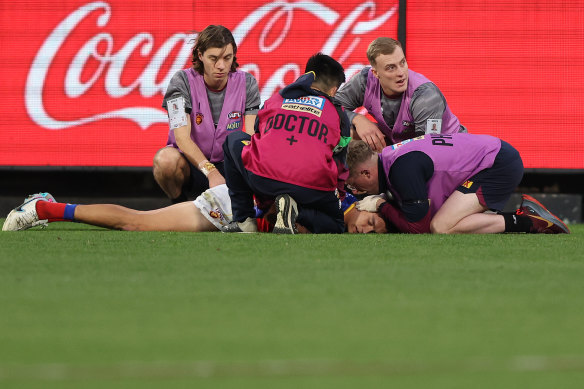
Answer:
(83, 307)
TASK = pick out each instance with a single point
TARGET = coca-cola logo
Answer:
(265, 30)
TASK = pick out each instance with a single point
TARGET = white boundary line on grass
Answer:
(282, 368)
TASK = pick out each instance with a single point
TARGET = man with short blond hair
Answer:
(444, 183)
(404, 103)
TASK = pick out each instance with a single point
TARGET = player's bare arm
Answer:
(194, 154)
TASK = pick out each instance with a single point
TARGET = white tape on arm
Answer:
(177, 116)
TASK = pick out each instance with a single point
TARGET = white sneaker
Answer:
(25, 216)
(249, 225)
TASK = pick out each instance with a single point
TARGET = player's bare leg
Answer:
(177, 217)
(41, 209)
(464, 214)
(170, 170)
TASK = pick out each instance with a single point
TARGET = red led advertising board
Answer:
(509, 68)
(82, 82)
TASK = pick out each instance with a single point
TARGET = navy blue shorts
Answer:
(494, 185)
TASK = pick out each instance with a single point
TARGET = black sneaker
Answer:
(287, 212)
(544, 221)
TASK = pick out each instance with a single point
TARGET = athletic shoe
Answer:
(287, 212)
(247, 226)
(543, 220)
(25, 216)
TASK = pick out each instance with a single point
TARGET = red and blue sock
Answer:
(55, 212)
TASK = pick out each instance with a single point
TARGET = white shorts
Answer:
(215, 205)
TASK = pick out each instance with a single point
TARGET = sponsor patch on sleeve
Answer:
(434, 126)
(403, 142)
(308, 104)
(177, 117)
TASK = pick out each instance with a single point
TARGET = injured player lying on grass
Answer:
(211, 211)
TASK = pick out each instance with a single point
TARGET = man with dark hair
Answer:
(404, 103)
(445, 183)
(297, 155)
(204, 104)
